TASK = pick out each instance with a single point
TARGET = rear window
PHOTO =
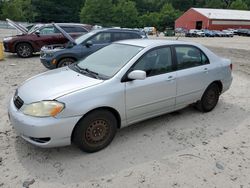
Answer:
(124, 36)
(74, 29)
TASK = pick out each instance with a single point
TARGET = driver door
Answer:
(156, 94)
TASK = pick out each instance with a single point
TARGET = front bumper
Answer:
(7, 47)
(32, 128)
(48, 62)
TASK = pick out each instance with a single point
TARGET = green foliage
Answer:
(125, 14)
(149, 19)
(215, 4)
(239, 5)
(97, 12)
(168, 15)
(20, 10)
(57, 10)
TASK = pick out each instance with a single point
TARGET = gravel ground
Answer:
(183, 149)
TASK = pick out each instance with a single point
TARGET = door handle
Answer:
(205, 70)
(170, 78)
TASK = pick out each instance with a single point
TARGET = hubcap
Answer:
(97, 132)
(66, 63)
(24, 51)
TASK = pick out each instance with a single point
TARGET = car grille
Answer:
(42, 54)
(18, 102)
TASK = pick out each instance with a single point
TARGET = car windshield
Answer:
(82, 38)
(109, 60)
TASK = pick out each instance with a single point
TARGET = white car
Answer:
(119, 85)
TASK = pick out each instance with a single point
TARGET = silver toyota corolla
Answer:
(121, 84)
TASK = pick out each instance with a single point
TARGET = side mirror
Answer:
(37, 32)
(89, 43)
(137, 75)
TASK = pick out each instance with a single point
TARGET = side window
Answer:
(48, 30)
(101, 38)
(135, 36)
(69, 29)
(81, 30)
(188, 57)
(117, 36)
(155, 62)
(125, 36)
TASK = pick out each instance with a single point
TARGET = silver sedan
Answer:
(121, 84)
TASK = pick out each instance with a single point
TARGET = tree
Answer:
(239, 5)
(20, 10)
(125, 14)
(97, 12)
(57, 10)
(168, 15)
(215, 4)
(149, 20)
(182, 5)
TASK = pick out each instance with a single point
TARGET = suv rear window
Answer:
(74, 29)
(124, 36)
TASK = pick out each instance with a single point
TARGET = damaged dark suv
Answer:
(31, 41)
(55, 56)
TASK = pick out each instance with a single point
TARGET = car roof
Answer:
(65, 24)
(117, 30)
(153, 42)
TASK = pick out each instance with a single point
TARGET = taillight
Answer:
(231, 66)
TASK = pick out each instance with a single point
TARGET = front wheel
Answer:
(24, 50)
(209, 99)
(95, 131)
(65, 62)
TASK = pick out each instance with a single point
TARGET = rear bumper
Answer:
(226, 84)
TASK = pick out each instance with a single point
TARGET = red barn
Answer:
(213, 19)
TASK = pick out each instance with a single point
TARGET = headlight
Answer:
(43, 109)
(7, 38)
(49, 54)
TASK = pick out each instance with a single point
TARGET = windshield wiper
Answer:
(89, 72)
(94, 74)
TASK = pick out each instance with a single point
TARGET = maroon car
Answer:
(31, 41)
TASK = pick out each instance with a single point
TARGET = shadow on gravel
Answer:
(146, 141)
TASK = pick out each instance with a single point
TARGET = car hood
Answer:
(64, 33)
(53, 84)
(19, 27)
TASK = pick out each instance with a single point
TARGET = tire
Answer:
(95, 131)
(24, 50)
(209, 99)
(65, 62)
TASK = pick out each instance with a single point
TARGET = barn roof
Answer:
(224, 14)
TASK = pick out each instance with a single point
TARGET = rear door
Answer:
(192, 74)
(156, 94)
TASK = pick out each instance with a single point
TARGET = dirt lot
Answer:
(184, 149)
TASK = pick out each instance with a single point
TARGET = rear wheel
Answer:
(24, 50)
(65, 62)
(95, 131)
(209, 99)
